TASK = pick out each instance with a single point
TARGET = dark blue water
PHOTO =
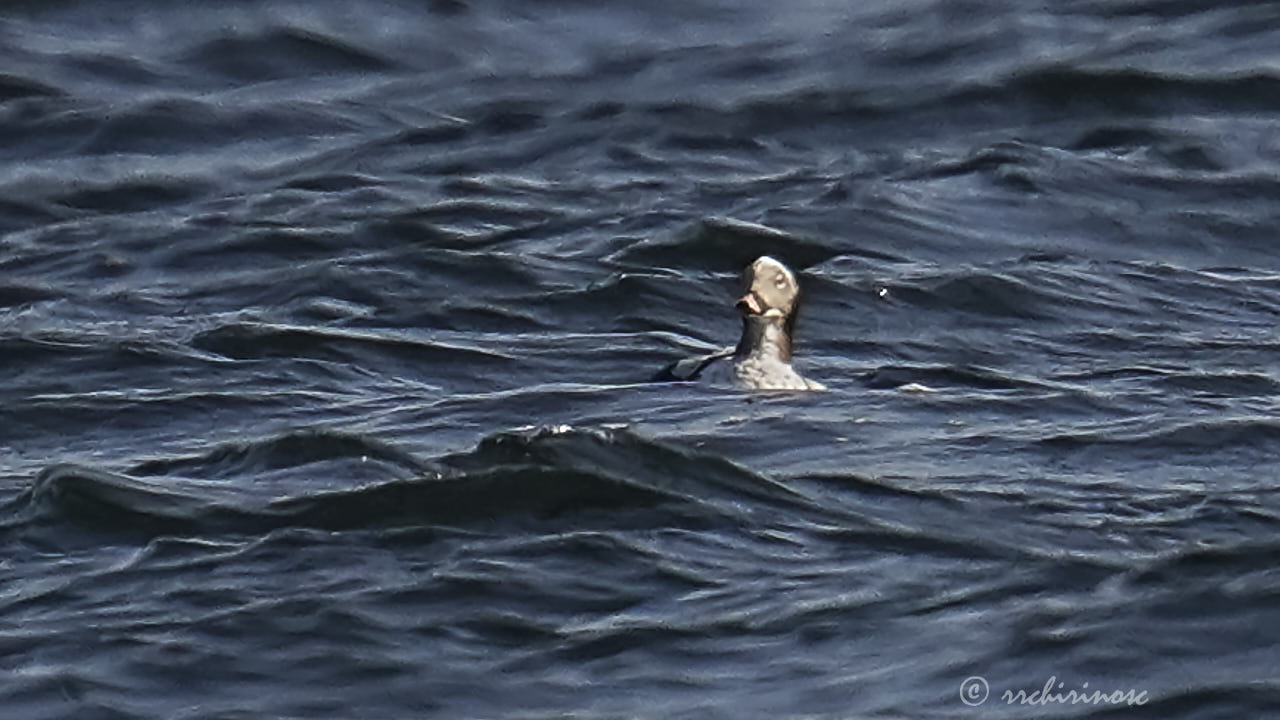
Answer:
(325, 329)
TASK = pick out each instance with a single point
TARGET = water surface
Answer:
(326, 330)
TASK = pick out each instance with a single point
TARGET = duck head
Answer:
(768, 307)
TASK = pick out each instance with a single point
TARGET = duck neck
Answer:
(765, 337)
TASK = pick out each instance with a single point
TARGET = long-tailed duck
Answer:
(762, 359)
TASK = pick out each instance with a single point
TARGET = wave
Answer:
(284, 52)
(1227, 435)
(264, 340)
(292, 449)
(179, 124)
(547, 473)
(722, 244)
(553, 479)
(13, 294)
(1135, 92)
(935, 376)
(16, 87)
(136, 194)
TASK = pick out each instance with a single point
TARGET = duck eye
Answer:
(780, 281)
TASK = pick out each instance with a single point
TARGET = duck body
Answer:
(762, 358)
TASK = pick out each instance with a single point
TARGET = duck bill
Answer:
(749, 304)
